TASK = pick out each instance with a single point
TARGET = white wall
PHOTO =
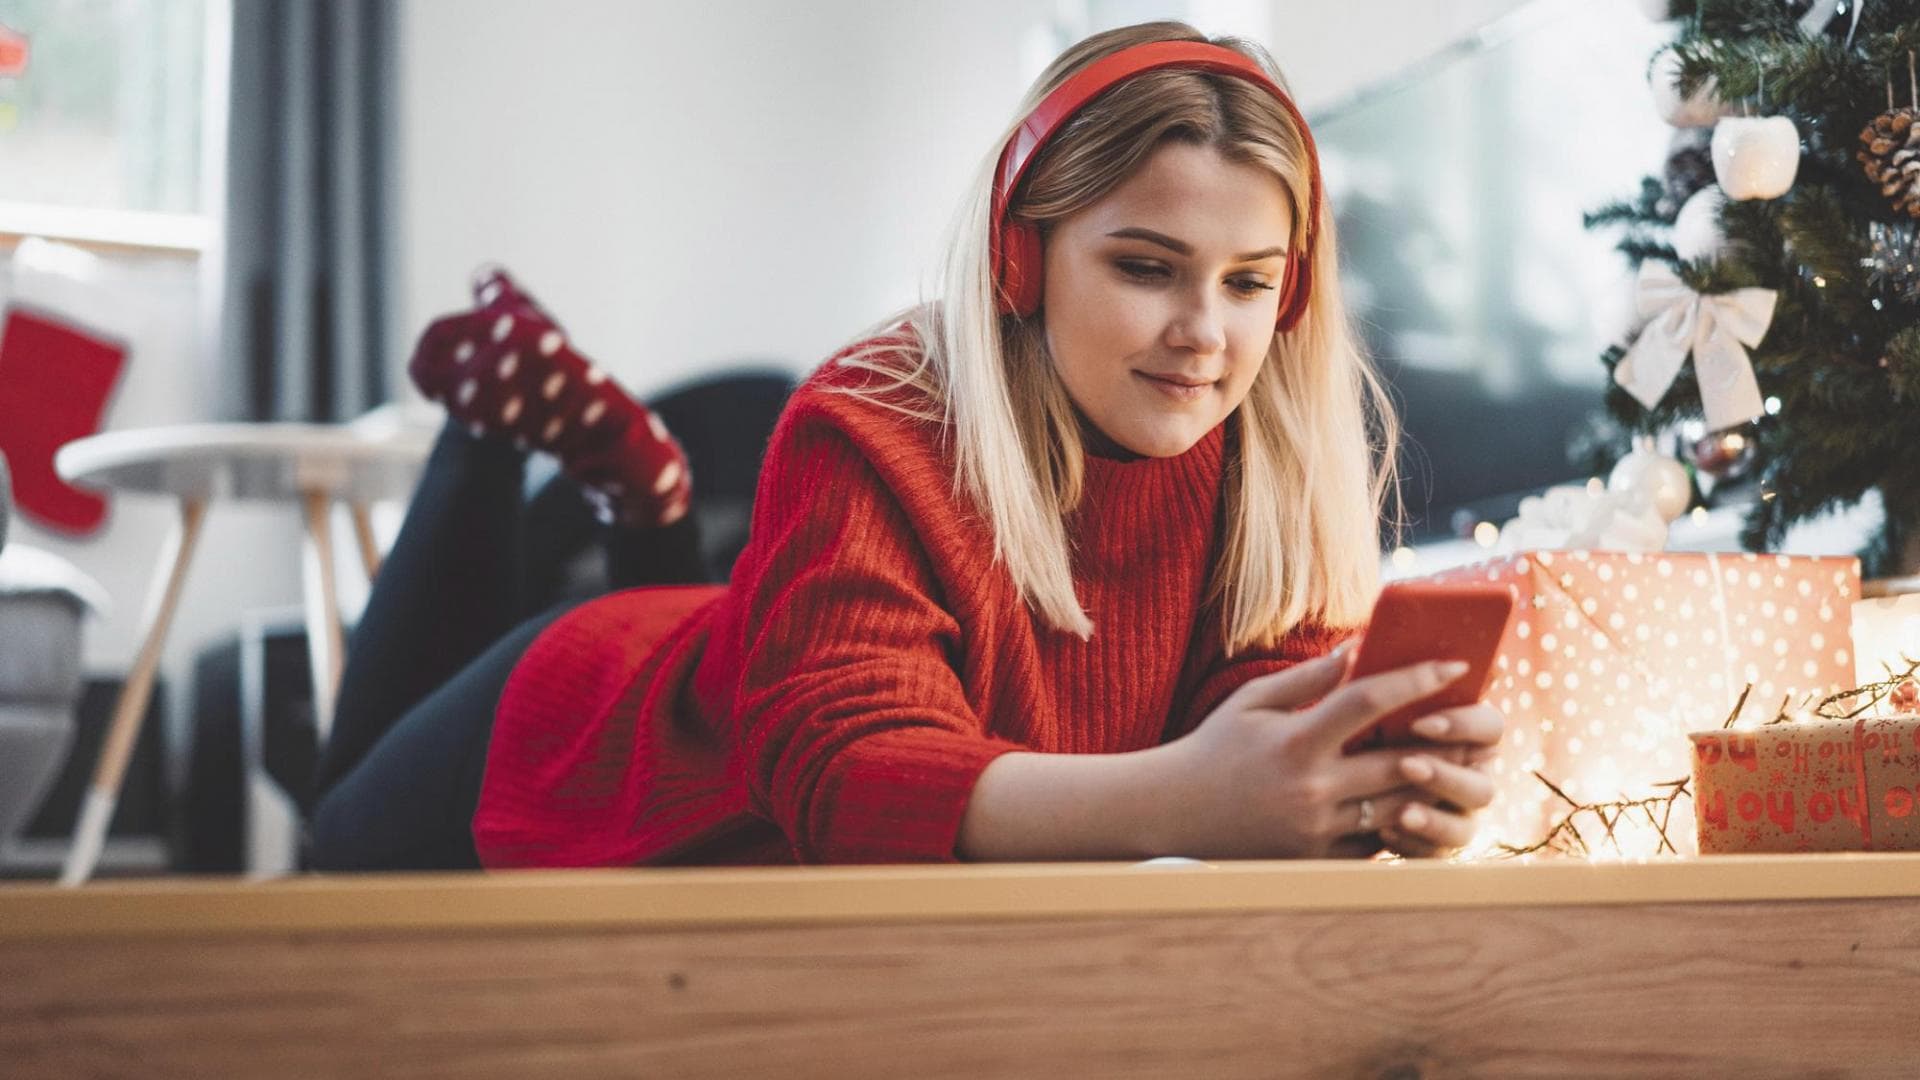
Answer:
(688, 184)
(1330, 51)
(691, 184)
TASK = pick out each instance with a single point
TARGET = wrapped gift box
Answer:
(1615, 657)
(1818, 785)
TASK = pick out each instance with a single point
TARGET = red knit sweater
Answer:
(837, 701)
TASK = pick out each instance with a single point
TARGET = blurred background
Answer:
(272, 197)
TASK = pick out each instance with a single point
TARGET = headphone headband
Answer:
(1016, 245)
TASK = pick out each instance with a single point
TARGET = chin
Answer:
(1160, 444)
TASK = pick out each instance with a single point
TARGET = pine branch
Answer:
(1639, 251)
(1903, 365)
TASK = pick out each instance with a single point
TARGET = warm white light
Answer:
(1403, 558)
(1773, 406)
(1886, 630)
(1486, 534)
(1699, 515)
(1594, 486)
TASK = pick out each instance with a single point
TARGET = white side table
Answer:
(310, 464)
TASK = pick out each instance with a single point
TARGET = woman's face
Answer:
(1161, 298)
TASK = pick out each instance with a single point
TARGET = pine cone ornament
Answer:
(1689, 168)
(1890, 153)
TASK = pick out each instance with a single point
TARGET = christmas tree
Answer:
(1784, 240)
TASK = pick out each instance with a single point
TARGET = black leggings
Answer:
(454, 608)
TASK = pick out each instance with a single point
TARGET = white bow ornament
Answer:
(1717, 329)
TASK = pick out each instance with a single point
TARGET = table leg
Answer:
(326, 643)
(90, 835)
(363, 533)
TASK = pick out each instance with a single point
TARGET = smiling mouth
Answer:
(1178, 387)
(1176, 380)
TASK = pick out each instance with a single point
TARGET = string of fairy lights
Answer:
(1603, 820)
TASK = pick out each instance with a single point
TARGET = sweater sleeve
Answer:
(853, 731)
(1214, 676)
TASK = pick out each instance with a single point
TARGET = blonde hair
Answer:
(1313, 464)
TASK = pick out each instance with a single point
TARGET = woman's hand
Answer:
(1263, 776)
(1453, 773)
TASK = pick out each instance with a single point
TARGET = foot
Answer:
(506, 369)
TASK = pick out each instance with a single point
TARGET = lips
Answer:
(1188, 381)
(1181, 388)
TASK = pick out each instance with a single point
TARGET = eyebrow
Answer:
(1181, 247)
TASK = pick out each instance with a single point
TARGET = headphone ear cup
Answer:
(1294, 294)
(1019, 269)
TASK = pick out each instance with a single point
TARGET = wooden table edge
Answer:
(733, 897)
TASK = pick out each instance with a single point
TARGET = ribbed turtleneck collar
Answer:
(1106, 458)
(1169, 499)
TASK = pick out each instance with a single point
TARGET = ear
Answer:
(1019, 271)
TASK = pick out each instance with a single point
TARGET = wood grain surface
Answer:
(1749, 988)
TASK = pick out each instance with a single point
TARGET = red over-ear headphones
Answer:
(1015, 245)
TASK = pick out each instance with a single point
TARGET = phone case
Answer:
(1417, 621)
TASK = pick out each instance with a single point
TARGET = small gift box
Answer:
(1816, 785)
(1614, 657)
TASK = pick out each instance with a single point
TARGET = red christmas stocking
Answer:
(54, 382)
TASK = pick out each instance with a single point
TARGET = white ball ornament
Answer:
(1755, 157)
(1697, 232)
(1700, 109)
(1649, 475)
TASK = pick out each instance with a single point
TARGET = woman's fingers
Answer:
(1295, 686)
(1479, 724)
(1424, 773)
(1353, 708)
(1440, 828)
(1368, 774)
(1407, 846)
(1408, 821)
(1461, 785)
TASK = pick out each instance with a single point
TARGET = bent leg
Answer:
(409, 803)
(449, 588)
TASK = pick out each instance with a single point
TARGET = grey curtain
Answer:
(309, 189)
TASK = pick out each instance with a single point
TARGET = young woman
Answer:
(1050, 568)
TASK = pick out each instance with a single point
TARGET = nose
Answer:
(1197, 326)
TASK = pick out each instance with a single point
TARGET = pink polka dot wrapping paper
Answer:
(1819, 785)
(1614, 658)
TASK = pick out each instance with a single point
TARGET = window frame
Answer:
(113, 231)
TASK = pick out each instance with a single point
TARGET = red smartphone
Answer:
(1416, 621)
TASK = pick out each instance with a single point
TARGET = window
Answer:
(102, 117)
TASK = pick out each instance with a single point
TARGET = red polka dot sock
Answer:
(506, 369)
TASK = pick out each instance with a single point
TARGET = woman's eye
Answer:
(1249, 287)
(1143, 271)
